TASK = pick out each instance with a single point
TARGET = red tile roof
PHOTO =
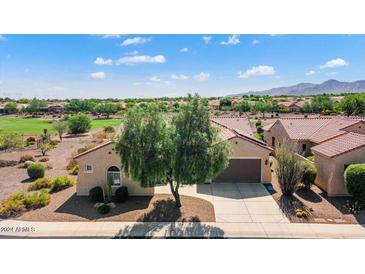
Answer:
(239, 124)
(340, 145)
(316, 129)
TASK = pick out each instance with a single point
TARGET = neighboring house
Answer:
(248, 161)
(291, 106)
(333, 157)
(235, 101)
(2, 109)
(336, 142)
(308, 132)
(215, 104)
(55, 108)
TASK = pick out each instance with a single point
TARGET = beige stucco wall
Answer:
(244, 148)
(279, 132)
(330, 171)
(101, 159)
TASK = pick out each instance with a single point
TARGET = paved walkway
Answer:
(236, 202)
(24, 229)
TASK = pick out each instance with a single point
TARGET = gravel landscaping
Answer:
(322, 209)
(13, 179)
(66, 206)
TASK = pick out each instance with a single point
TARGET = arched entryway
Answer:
(113, 176)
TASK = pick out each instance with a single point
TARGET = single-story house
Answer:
(248, 162)
(215, 104)
(336, 142)
(55, 108)
(308, 132)
(291, 106)
(333, 157)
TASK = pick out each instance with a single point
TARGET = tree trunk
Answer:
(175, 192)
(60, 137)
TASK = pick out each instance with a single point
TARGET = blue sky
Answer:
(124, 66)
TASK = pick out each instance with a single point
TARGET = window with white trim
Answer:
(113, 176)
(88, 169)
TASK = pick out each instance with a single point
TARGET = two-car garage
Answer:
(242, 170)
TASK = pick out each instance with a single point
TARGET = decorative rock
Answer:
(98, 204)
(27, 163)
(111, 205)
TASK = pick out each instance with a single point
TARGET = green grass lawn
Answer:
(36, 126)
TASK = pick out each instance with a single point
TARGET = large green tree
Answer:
(322, 103)
(183, 150)
(107, 109)
(353, 104)
(79, 123)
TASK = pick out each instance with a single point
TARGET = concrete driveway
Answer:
(236, 202)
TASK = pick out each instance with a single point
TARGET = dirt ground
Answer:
(323, 209)
(13, 179)
(66, 206)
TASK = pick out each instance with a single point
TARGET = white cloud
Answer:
(179, 77)
(155, 79)
(102, 61)
(311, 72)
(111, 35)
(136, 84)
(339, 62)
(207, 39)
(131, 53)
(3, 38)
(232, 40)
(202, 77)
(100, 75)
(332, 73)
(254, 42)
(135, 41)
(132, 60)
(184, 50)
(257, 71)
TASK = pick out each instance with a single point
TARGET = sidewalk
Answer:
(24, 229)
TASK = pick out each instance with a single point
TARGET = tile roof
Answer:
(340, 145)
(316, 129)
(92, 149)
(239, 124)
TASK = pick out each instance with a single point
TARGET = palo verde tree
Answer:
(184, 150)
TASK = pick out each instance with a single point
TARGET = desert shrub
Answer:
(60, 183)
(35, 170)
(311, 158)
(85, 148)
(25, 158)
(96, 194)
(289, 170)
(309, 175)
(71, 164)
(99, 136)
(103, 209)
(37, 199)
(43, 159)
(109, 129)
(353, 208)
(30, 140)
(54, 142)
(74, 170)
(10, 141)
(45, 148)
(121, 194)
(79, 123)
(355, 180)
(40, 183)
(13, 205)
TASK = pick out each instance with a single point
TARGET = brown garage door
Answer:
(242, 171)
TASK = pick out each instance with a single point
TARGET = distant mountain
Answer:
(330, 86)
